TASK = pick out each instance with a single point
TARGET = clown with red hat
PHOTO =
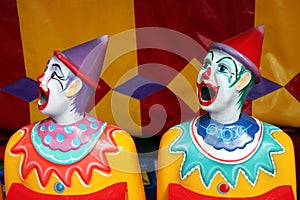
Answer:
(72, 154)
(225, 153)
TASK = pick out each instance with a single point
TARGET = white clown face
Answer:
(52, 99)
(216, 82)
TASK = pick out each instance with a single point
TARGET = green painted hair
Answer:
(244, 92)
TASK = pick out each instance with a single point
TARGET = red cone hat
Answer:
(246, 48)
(86, 60)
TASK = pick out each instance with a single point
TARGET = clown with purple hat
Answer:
(72, 154)
(225, 153)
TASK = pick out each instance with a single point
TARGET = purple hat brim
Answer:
(240, 57)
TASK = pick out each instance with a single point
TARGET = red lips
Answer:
(207, 93)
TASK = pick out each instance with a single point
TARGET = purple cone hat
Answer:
(86, 60)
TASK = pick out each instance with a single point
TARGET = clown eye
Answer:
(223, 68)
(206, 64)
(57, 72)
(54, 75)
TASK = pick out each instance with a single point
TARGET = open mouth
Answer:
(207, 93)
(43, 98)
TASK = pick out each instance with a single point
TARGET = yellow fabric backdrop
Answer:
(60, 24)
(280, 60)
(56, 24)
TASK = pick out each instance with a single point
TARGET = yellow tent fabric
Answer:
(280, 60)
(49, 25)
(60, 24)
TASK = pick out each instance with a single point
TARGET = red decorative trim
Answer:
(179, 192)
(117, 191)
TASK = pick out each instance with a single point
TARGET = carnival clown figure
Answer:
(72, 154)
(226, 154)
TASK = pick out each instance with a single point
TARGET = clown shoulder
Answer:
(72, 154)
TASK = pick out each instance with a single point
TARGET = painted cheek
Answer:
(207, 73)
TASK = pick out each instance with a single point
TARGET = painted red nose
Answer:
(207, 73)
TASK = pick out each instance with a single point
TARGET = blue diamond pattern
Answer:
(264, 87)
(25, 88)
(139, 87)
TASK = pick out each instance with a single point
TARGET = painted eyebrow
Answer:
(233, 63)
(58, 66)
(212, 55)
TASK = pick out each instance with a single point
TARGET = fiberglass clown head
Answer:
(70, 79)
(229, 71)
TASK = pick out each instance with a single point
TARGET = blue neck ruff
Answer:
(227, 136)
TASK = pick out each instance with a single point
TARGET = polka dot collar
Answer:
(68, 137)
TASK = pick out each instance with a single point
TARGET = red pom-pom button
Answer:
(223, 188)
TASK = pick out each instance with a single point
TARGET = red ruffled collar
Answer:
(96, 159)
